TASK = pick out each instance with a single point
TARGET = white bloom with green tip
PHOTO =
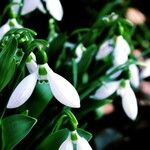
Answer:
(62, 90)
(145, 71)
(81, 143)
(129, 101)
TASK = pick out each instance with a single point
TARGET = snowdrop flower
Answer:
(105, 49)
(53, 6)
(129, 101)
(79, 51)
(10, 24)
(62, 90)
(80, 142)
(121, 51)
(135, 77)
(145, 71)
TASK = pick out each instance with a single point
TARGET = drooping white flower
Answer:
(135, 77)
(62, 90)
(31, 5)
(106, 90)
(105, 49)
(121, 51)
(79, 51)
(129, 101)
(53, 6)
(81, 143)
(10, 24)
(145, 71)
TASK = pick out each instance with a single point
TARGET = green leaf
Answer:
(86, 59)
(56, 47)
(41, 97)
(75, 72)
(15, 128)
(7, 62)
(53, 141)
(88, 106)
(85, 134)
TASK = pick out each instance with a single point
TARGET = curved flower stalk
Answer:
(62, 90)
(128, 97)
(74, 138)
(53, 6)
(10, 24)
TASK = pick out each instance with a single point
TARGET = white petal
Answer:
(63, 91)
(55, 9)
(31, 5)
(114, 75)
(106, 90)
(31, 66)
(23, 91)
(79, 51)
(121, 51)
(145, 71)
(105, 49)
(4, 29)
(82, 144)
(129, 101)
(135, 78)
(66, 145)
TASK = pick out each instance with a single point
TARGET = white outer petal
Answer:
(31, 66)
(105, 49)
(121, 51)
(79, 51)
(31, 5)
(135, 77)
(106, 90)
(129, 101)
(4, 29)
(66, 145)
(145, 71)
(55, 9)
(63, 90)
(23, 91)
(82, 144)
